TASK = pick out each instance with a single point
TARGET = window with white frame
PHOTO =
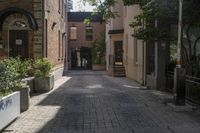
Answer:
(73, 33)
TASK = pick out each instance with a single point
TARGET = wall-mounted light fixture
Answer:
(53, 25)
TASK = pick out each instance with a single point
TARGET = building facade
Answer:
(128, 56)
(125, 54)
(33, 29)
(81, 37)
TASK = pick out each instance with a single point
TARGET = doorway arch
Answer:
(16, 30)
(18, 34)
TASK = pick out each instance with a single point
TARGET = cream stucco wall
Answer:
(134, 69)
(117, 23)
(114, 24)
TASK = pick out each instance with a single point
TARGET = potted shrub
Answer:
(21, 67)
(29, 77)
(44, 80)
(98, 54)
(9, 100)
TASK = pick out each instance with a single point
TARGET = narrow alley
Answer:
(92, 102)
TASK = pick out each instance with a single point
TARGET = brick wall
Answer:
(55, 20)
(98, 29)
(23, 4)
(37, 38)
(45, 40)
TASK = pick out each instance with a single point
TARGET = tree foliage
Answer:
(12, 73)
(104, 7)
(191, 37)
(99, 50)
(43, 67)
(153, 24)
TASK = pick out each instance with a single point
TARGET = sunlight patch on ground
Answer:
(129, 86)
(96, 86)
(59, 83)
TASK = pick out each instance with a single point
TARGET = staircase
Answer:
(119, 71)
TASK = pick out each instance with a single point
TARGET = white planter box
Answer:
(9, 109)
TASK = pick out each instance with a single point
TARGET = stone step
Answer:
(119, 71)
(119, 75)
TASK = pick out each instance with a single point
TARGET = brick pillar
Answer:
(37, 9)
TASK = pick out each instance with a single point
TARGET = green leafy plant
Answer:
(4, 79)
(19, 69)
(12, 73)
(103, 8)
(98, 51)
(43, 67)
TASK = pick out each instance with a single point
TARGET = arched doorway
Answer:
(18, 38)
(16, 32)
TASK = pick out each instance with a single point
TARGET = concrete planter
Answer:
(30, 81)
(98, 67)
(9, 109)
(24, 98)
(44, 84)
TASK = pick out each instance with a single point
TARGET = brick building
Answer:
(33, 28)
(81, 36)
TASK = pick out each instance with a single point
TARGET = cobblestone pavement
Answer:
(91, 102)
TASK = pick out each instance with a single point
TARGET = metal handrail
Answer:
(192, 86)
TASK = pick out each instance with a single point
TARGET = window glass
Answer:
(89, 33)
(73, 33)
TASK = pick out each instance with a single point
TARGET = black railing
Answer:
(169, 81)
(193, 89)
(192, 86)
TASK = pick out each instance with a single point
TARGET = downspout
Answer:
(143, 71)
(66, 38)
(144, 61)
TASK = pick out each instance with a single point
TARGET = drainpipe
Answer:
(144, 65)
(144, 60)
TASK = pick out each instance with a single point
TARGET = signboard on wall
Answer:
(18, 42)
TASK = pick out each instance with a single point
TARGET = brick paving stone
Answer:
(92, 102)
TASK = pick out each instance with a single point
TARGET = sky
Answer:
(78, 6)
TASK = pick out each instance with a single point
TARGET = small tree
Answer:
(165, 13)
(98, 50)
